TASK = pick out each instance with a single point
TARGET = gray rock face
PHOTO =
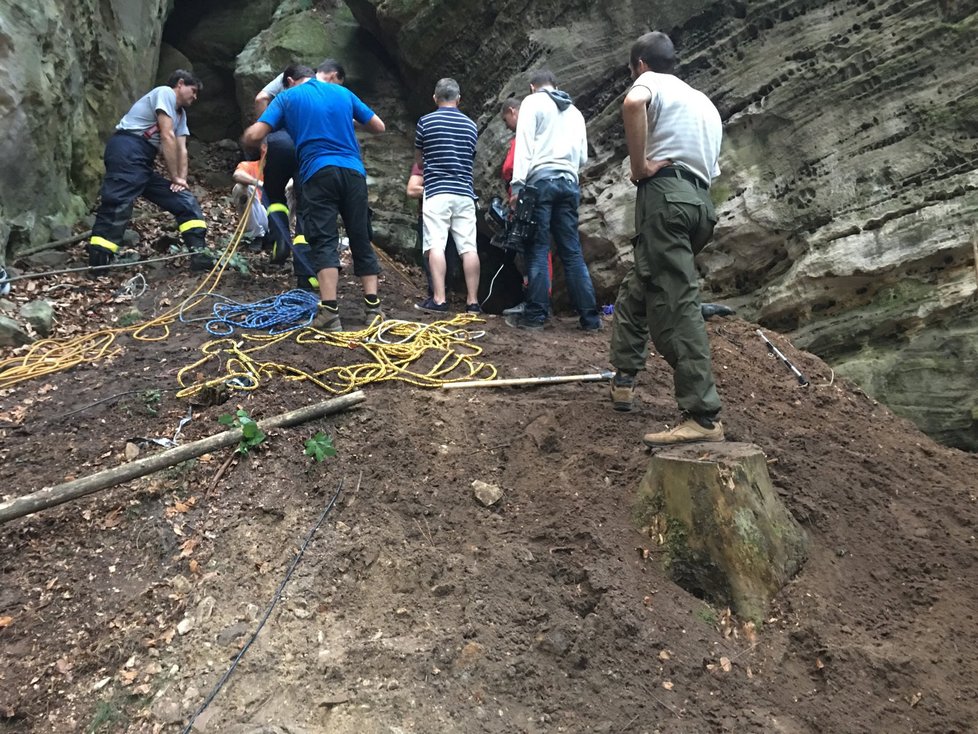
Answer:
(69, 70)
(848, 197)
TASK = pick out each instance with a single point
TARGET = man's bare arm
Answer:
(415, 187)
(183, 160)
(375, 125)
(634, 117)
(171, 152)
(262, 100)
(255, 134)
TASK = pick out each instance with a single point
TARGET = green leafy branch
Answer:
(320, 446)
(251, 434)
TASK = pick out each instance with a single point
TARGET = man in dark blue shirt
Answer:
(445, 150)
(319, 117)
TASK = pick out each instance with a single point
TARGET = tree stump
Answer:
(728, 538)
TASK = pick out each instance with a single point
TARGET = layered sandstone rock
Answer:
(848, 198)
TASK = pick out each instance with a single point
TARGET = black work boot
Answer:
(98, 258)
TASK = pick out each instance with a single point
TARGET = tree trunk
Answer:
(727, 536)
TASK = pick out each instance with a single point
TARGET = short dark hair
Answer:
(187, 77)
(543, 77)
(510, 103)
(296, 72)
(656, 50)
(332, 65)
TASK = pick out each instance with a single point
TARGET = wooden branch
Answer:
(51, 496)
(596, 377)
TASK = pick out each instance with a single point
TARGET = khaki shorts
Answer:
(446, 213)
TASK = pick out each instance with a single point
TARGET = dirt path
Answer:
(416, 609)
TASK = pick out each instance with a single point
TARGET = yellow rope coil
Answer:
(394, 349)
(49, 356)
(447, 345)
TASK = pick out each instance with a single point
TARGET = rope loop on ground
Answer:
(424, 355)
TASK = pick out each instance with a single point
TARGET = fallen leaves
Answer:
(6, 621)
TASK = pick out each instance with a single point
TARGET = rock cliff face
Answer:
(850, 188)
(848, 199)
(68, 70)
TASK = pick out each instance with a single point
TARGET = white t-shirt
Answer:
(141, 117)
(274, 87)
(684, 125)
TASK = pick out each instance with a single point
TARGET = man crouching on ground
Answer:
(156, 122)
(319, 117)
(673, 136)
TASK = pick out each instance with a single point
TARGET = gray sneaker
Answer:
(517, 310)
(372, 312)
(326, 320)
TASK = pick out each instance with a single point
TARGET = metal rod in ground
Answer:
(802, 380)
(515, 381)
(51, 496)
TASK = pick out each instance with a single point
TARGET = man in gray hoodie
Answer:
(551, 148)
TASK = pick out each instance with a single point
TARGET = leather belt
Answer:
(676, 172)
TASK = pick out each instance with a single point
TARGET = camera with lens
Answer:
(517, 227)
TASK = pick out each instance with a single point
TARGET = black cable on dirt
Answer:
(268, 612)
(85, 268)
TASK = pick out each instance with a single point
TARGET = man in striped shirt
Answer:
(445, 150)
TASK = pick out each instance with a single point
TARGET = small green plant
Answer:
(251, 434)
(151, 401)
(130, 317)
(320, 446)
(107, 714)
(707, 615)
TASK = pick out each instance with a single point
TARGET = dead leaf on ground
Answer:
(187, 547)
(6, 621)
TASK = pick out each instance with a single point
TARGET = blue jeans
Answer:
(556, 216)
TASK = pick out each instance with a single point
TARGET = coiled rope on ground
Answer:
(424, 355)
(49, 356)
(275, 314)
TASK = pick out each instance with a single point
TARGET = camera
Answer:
(517, 227)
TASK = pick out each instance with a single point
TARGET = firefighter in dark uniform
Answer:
(156, 122)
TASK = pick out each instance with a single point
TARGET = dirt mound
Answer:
(415, 608)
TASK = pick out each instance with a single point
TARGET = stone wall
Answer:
(68, 70)
(848, 199)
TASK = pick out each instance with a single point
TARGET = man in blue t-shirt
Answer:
(445, 143)
(319, 117)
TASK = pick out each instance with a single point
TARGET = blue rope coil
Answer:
(276, 314)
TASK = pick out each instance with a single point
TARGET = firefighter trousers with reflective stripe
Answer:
(129, 173)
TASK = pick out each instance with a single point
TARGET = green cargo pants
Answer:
(660, 297)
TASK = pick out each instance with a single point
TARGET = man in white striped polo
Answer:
(445, 149)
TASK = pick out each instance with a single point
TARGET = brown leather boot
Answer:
(689, 431)
(623, 392)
